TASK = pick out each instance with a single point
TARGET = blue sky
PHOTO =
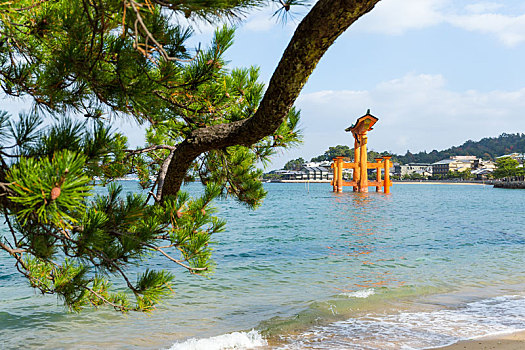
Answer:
(435, 72)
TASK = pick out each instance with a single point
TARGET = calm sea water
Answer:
(424, 266)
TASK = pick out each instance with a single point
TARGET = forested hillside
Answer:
(487, 148)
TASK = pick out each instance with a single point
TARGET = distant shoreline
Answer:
(302, 181)
(396, 182)
(434, 182)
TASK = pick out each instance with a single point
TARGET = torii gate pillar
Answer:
(359, 129)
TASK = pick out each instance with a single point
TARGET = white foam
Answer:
(364, 293)
(418, 330)
(235, 340)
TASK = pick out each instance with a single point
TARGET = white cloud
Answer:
(265, 20)
(205, 28)
(482, 7)
(416, 112)
(395, 17)
(260, 22)
(510, 30)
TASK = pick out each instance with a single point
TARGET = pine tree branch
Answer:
(96, 254)
(11, 229)
(325, 22)
(116, 306)
(149, 149)
(181, 106)
(17, 255)
(13, 252)
(38, 3)
(149, 36)
(178, 262)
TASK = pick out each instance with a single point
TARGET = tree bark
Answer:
(4, 189)
(325, 22)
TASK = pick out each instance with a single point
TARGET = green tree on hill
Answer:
(112, 58)
(294, 164)
(372, 155)
(507, 167)
(348, 153)
(409, 157)
(487, 148)
(413, 176)
(335, 151)
(466, 174)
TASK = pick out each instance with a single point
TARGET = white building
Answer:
(520, 157)
(413, 168)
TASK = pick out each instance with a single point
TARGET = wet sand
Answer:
(513, 341)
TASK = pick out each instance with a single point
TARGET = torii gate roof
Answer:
(363, 124)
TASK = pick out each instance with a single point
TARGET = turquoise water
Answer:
(424, 266)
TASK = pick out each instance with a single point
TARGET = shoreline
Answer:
(396, 182)
(300, 181)
(433, 182)
(505, 341)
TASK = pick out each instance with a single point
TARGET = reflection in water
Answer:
(363, 231)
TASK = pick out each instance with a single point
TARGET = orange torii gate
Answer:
(360, 165)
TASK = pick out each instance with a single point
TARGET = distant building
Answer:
(324, 164)
(442, 167)
(520, 157)
(412, 168)
(481, 174)
(487, 165)
(317, 173)
(455, 163)
(305, 174)
(286, 174)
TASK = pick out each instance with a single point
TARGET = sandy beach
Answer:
(513, 341)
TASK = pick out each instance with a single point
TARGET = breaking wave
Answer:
(365, 293)
(417, 330)
(235, 340)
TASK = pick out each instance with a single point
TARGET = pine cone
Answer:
(55, 192)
